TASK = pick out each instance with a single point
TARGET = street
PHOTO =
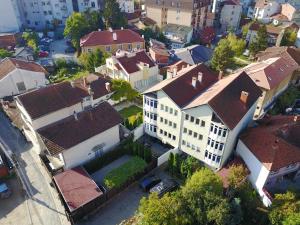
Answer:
(41, 203)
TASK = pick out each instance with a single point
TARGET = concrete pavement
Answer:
(43, 205)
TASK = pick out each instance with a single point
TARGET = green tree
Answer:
(289, 38)
(123, 89)
(260, 43)
(4, 53)
(237, 45)
(91, 60)
(176, 163)
(171, 162)
(31, 39)
(292, 219)
(151, 34)
(237, 176)
(147, 155)
(245, 29)
(113, 16)
(223, 56)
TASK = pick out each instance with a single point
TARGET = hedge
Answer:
(117, 177)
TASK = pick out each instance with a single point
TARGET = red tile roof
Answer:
(275, 142)
(106, 38)
(70, 131)
(131, 61)
(76, 188)
(8, 65)
(54, 97)
(9, 41)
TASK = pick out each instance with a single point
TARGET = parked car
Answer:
(44, 48)
(148, 182)
(164, 186)
(70, 49)
(43, 54)
(46, 41)
(5, 192)
(295, 108)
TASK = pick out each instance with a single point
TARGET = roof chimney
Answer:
(75, 115)
(220, 75)
(174, 71)
(115, 36)
(110, 29)
(84, 81)
(122, 28)
(107, 86)
(194, 81)
(99, 29)
(72, 84)
(295, 118)
(200, 76)
(90, 91)
(244, 97)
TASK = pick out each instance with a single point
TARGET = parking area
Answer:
(57, 50)
(124, 205)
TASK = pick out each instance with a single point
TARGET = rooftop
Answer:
(76, 187)
(275, 142)
(106, 37)
(69, 132)
(176, 32)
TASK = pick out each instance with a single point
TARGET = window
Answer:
(166, 121)
(166, 108)
(174, 138)
(171, 110)
(184, 130)
(21, 86)
(221, 146)
(212, 143)
(220, 132)
(206, 153)
(187, 117)
(93, 4)
(202, 123)
(170, 123)
(190, 132)
(175, 112)
(217, 145)
(193, 147)
(169, 135)
(211, 128)
(200, 137)
(198, 149)
(215, 130)
(174, 125)
(214, 158)
(165, 133)
(218, 159)
(192, 119)
(224, 133)
(195, 135)
(107, 48)
(161, 107)
(208, 142)
(197, 121)
(161, 131)
(161, 119)
(129, 46)
(188, 144)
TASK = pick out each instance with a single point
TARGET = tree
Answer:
(292, 219)
(171, 162)
(113, 16)
(237, 45)
(176, 163)
(147, 155)
(223, 55)
(289, 38)
(31, 39)
(123, 89)
(260, 43)
(4, 53)
(237, 176)
(91, 60)
(157, 35)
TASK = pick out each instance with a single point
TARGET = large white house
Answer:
(135, 67)
(18, 76)
(10, 17)
(200, 114)
(271, 152)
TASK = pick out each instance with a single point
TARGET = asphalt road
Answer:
(42, 204)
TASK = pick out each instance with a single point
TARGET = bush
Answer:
(117, 177)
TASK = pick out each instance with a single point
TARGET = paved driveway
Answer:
(57, 50)
(43, 205)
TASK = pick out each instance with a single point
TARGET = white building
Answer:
(10, 16)
(271, 152)
(230, 15)
(18, 76)
(178, 35)
(83, 5)
(191, 112)
(135, 67)
(264, 9)
(126, 6)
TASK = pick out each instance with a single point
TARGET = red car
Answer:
(43, 54)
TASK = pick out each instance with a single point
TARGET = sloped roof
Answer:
(58, 96)
(106, 38)
(8, 65)
(271, 72)
(70, 131)
(275, 142)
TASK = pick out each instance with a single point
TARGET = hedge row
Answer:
(117, 177)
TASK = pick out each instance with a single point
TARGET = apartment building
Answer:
(199, 113)
(272, 76)
(230, 15)
(264, 9)
(112, 40)
(135, 67)
(10, 16)
(126, 6)
(194, 13)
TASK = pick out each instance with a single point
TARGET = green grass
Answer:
(132, 113)
(117, 177)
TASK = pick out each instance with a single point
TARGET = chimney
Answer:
(122, 28)
(72, 84)
(143, 36)
(200, 76)
(99, 29)
(194, 81)
(244, 97)
(75, 115)
(115, 36)
(174, 72)
(220, 75)
(107, 86)
(110, 29)
(84, 81)
(295, 118)
(90, 91)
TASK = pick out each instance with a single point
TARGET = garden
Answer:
(133, 116)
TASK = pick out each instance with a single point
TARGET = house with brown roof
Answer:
(271, 152)
(272, 76)
(199, 113)
(137, 68)
(264, 9)
(19, 76)
(47, 105)
(80, 137)
(111, 41)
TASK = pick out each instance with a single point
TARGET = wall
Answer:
(10, 20)
(264, 14)
(138, 132)
(155, 14)
(181, 18)
(82, 152)
(164, 158)
(230, 16)
(31, 80)
(114, 47)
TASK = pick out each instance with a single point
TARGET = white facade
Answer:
(84, 5)
(126, 6)
(90, 149)
(19, 81)
(230, 17)
(264, 14)
(10, 17)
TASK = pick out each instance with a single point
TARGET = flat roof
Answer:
(76, 187)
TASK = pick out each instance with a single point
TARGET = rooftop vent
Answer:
(194, 82)
(200, 77)
(115, 37)
(244, 97)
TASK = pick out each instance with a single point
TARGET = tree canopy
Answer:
(237, 45)
(289, 38)
(113, 16)
(223, 55)
(260, 43)
(90, 60)
(31, 39)
(4, 53)
(123, 89)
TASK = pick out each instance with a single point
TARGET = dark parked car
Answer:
(70, 49)
(5, 192)
(164, 187)
(295, 108)
(44, 48)
(148, 182)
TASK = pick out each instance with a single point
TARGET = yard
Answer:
(133, 116)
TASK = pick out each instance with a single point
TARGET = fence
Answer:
(138, 132)
(164, 158)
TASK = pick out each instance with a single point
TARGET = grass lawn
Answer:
(132, 113)
(117, 177)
